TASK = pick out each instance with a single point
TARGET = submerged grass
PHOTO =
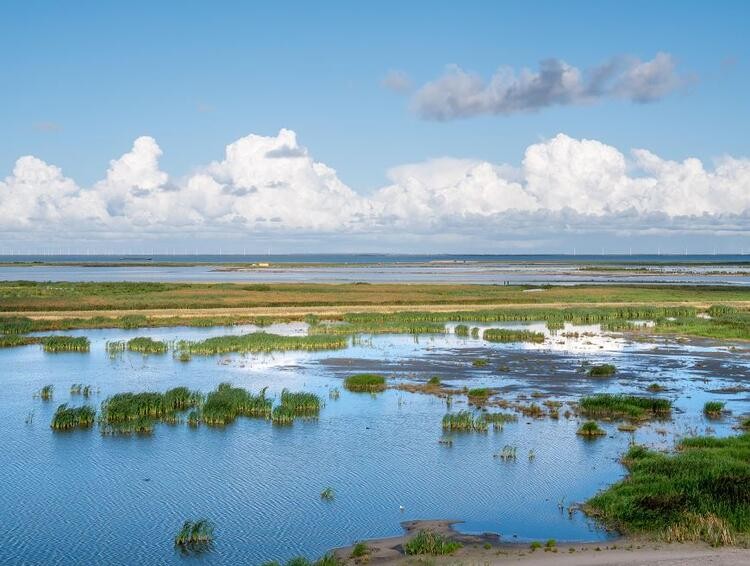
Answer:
(506, 335)
(261, 342)
(606, 405)
(701, 493)
(365, 383)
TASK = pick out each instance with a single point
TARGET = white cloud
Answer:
(460, 94)
(271, 185)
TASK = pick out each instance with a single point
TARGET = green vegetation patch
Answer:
(713, 409)
(146, 345)
(69, 418)
(506, 335)
(226, 403)
(603, 370)
(606, 405)
(464, 421)
(430, 542)
(700, 493)
(261, 342)
(590, 429)
(66, 344)
(365, 383)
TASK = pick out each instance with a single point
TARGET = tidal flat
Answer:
(385, 455)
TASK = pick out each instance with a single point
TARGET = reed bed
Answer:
(365, 383)
(699, 493)
(145, 345)
(283, 415)
(461, 330)
(226, 403)
(500, 418)
(55, 344)
(464, 421)
(195, 535)
(606, 405)
(432, 543)
(123, 408)
(68, 418)
(505, 335)
(15, 340)
(261, 342)
(478, 395)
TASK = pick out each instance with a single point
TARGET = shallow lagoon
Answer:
(85, 498)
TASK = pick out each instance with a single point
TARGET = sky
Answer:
(438, 127)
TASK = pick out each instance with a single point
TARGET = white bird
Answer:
(401, 508)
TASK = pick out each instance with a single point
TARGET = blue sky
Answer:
(82, 80)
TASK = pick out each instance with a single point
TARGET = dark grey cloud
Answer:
(462, 94)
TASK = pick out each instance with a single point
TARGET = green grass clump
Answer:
(300, 403)
(434, 381)
(365, 383)
(195, 535)
(500, 418)
(327, 494)
(480, 363)
(226, 403)
(713, 409)
(655, 388)
(15, 340)
(128, 413)
(283, 415)
(16, 325)
(700, 493)
(261, 342)
(478, 394)
(66, 344)
(605, 405)
(506, 335)
(464, 421)
(146, 345)
(461, 330)
(46, 392)
(361, 550)
(68, 418)
(603, 370)
(430, 542)
(590, 428)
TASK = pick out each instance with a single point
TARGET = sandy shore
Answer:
(489, 549)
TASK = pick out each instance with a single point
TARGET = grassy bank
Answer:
(702, 492)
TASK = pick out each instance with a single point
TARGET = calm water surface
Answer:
(83, 498)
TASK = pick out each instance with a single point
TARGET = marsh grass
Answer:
(226, 403)
(15, 340)
(361, 550)
(145, 345)
(699, 493)
(480, 363)
(327, 494)
(365, 383)
(713, 409)
(633, 407)
(195, 536)
(602, 370)
(137, 413)
(302, 404)
(81, 389)
(68, 418)
(430, 542)
(505, 335)
(590, 429)
(655, 388)
(478, 395)
(257, 342)
(461, 330)
(283, 415)
(55, 344)
(46, 392)
(464, 421)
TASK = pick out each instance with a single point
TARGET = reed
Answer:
(81, 389)
(713, 409)
(226, 403)
(365, 383)
(430, 542)
(124, 408)
(300, 403)
(195, 535)
(55, 344)
(606, 405)
(68, 418)
(505, 335)
(500, 418)
(145, 345)
(461, 330)
(334, 393)
(46, 392)
(282, 415)
(590, 429)
(257, 342)
(15, 340)
(464, 421)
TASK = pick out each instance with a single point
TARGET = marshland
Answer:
(403, 416)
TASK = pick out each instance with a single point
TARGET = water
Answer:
(83, 498)
(374, 268)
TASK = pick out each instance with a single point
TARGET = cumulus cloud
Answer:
(461, 94)
(397, 81)
(272, 185)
